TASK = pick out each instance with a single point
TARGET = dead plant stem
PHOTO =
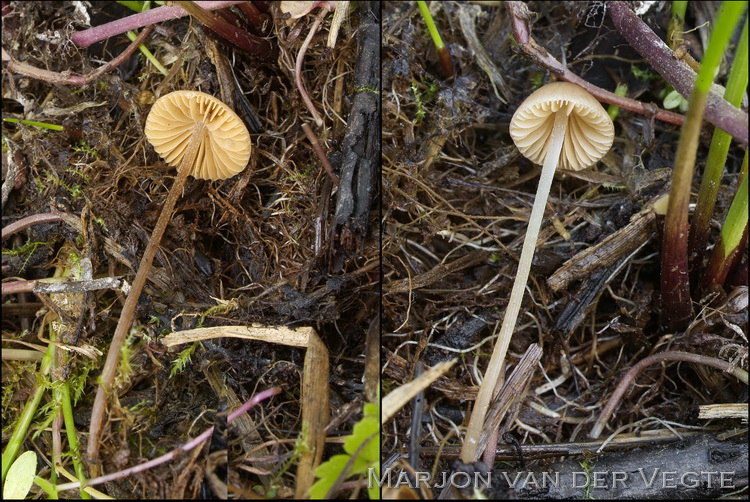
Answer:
(633, 372)
(61, 78)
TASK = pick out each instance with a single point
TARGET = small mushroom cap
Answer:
(588, 135)
(225, 149)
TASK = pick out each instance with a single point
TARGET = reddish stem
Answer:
(675, 71)
(98, 33)
(320, 153)
(172, 454)
(233, 34)
(633, 372)
(298, 68)
(539, 55)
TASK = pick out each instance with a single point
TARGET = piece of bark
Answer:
(361, 145)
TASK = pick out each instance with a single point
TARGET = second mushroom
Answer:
(560, 124)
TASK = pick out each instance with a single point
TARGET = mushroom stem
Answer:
(469, 452)
(128, 309)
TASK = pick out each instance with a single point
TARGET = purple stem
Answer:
(679, 75)
(630, 376)
(98, 33)
(172, 454)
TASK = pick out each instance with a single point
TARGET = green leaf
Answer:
(328, 472)
(673, 100)
(366, 435)
(20, 477)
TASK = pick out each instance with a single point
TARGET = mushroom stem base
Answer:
(128, 309)
(492, 382)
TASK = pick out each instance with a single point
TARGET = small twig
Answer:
(519, 20)
(633, 372)
(320, 153)
(40, 286)
(60, 78)
(298, 68)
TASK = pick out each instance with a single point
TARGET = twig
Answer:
(60, 78)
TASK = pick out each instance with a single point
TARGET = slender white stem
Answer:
(469, 451)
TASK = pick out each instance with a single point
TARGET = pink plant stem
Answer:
(298, 68)
(34, 219)
(169, 456)
(632, 373)
(98, 33)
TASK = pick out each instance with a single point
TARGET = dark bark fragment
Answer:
(361, 145)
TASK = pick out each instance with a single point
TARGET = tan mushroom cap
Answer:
(226, 146)
(588, 135)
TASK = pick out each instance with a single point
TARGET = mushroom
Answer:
(224, 148)
(559, 124)
(204, 138)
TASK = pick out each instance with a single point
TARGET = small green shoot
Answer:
(673, 99)
(183, 359)
(125, 369)
(420, 105)
(43, 125)
(613, 110)
(83, 147)
(731, 238)
(149, 55)
(676, 22)
(643, 74)
(446, 62)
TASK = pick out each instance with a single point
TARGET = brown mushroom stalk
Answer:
(128, 309)
(205, 139)
(559, 124)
